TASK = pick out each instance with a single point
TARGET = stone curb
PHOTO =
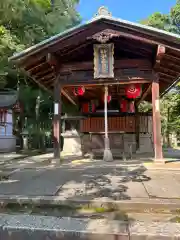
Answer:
(162, 169)
(13, 227)
(134, 205)
(27, 227)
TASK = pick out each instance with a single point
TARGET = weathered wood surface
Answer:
(125, 124)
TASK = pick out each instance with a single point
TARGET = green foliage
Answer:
(145, 107)
(157, 20)
(24, 23)
(170, 103)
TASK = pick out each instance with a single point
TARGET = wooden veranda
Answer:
(141, 55)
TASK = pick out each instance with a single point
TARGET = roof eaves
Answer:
(138, 25)
(52, 40)
(46, 43)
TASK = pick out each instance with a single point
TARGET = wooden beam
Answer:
(144, 95)
(53, 61)
(171, 57)
(167, 71)
(34, 63)
(156, 120)
(121, 75)
(159, 55)
(133, 63)
(170, 65)
(164, 79)
(45, 77)
(30, 70)
(39, 83)
(167, 75)
(44, 72)
(75, 49)
(109, 82)
(57, 119)
(145, 47)
(160, 52)
(64, 92)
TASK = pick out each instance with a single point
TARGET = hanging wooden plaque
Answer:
(104, 60)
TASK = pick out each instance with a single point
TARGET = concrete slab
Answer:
(154, 230)
(42, 227)
(163, 185)
(93, 182)
(19, 181)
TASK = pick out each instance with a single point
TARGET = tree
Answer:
(24, 23)
(170, 103)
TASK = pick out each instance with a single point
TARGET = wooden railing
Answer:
(117, 124)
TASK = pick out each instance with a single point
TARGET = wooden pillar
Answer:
(107, 152)
(137, 127)
(156, 120)
(57, 119)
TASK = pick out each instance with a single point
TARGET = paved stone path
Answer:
(92, 180)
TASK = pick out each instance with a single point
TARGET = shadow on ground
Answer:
(111, 183)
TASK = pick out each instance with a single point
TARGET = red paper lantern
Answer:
(133, 90)
(88, 107)
(79, 91)
(131, 107)
(109, 98)
(124, 106)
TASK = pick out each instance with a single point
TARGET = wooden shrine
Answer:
(107, 67)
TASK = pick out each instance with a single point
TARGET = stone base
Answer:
(7, 144)
(159, 161)
(72, 143)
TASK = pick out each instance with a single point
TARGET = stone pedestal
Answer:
(72, 143)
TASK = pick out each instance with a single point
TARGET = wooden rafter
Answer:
(170, 65)
(75, 49)
(166, 70)
(43, 73)
(134, 48)
(166, 78)
(46, 77)
(167, 75)
(30, 65)
(172, 57)
(145, 93)
(31, 70)
(65, 93)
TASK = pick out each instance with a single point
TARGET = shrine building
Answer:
(106, 67)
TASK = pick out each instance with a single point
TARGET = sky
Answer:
(132, 10)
